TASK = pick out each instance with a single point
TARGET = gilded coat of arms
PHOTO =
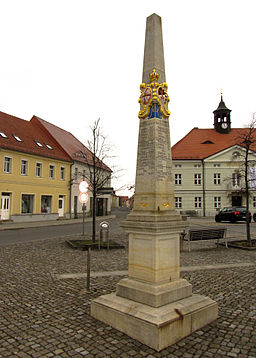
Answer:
(154, 98)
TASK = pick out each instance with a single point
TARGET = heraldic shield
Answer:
(154, 98)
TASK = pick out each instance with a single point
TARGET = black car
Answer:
(232, 214)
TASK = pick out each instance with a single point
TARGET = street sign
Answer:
(83, 186)
(83, 198)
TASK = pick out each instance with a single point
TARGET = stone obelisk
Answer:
(154, 305)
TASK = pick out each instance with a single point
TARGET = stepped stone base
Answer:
(157, 327)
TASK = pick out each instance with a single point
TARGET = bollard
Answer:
(104, 232)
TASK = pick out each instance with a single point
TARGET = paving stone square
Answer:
(45, 315)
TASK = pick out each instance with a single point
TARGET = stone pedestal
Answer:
(154, 305)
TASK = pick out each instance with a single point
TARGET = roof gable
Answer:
(202, 143)
(72, 146)
(23, 136)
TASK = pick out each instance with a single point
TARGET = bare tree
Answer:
(247, 139)
(98, 175)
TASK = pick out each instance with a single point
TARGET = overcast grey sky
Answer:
(71, 62)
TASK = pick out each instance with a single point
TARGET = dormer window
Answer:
(39, 144)
(207, 142)
(17, 138)
(3, 135)
(48, 146)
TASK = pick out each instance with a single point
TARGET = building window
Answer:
(38, 169)
(217, 202)
(177, 179)
(24, 167)
(178, 202)
(254, 201)
(83, 174)
(177, 165)
(216, 165)
(7, 164)
(236, 179)
(216, 178)
(51, 171)
(197, 179)
(46, 204)
(197, 165)
(76, 173)
(198, 202)
(27, 204)
(62, 173)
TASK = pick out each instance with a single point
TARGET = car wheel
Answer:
(254, 217)
(217, 220)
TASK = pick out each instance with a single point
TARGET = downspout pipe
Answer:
(203, 181)
(70, 189)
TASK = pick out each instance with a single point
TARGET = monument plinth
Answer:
(154, 305)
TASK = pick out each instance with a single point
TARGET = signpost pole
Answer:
(83, 208)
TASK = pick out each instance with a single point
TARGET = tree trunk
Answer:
(94, 217)
(248, 233)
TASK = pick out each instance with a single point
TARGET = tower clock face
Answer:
(224, 125)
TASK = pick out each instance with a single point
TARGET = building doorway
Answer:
(236, 200)
(61, 206)
(5, 206)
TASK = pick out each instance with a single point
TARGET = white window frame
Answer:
(41, 168)
(217, 202)
(197, 178)
(178, 202)
(198, 202)
(216, 179)
(236, 177)
(24, 167)
(7, 165)
(51, 171)
(62, 173)
(178, 179)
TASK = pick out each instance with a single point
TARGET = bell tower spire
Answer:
(222, 121)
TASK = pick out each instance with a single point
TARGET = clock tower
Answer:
(222, 122)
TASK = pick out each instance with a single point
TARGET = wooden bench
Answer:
(204, 234)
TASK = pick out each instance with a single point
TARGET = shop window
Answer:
(27, 202)
(46, 204)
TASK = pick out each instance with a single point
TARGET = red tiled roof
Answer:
(202, 143)
(28, 133)
(75, 149)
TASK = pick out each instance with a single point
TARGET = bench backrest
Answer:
(206, 234)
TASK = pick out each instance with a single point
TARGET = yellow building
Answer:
(34, 173)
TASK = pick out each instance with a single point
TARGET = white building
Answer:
(208, 165)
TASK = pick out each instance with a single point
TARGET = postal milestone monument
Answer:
(154, 305)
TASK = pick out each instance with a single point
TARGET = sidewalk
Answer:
(14, 226)
(45, 308)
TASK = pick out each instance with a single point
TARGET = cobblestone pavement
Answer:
(41, 316)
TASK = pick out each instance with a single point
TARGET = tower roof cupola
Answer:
(222, 121)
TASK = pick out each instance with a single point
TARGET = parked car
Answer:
(233, 214)
(254, 217)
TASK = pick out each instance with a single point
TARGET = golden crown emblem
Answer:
(154, 76)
